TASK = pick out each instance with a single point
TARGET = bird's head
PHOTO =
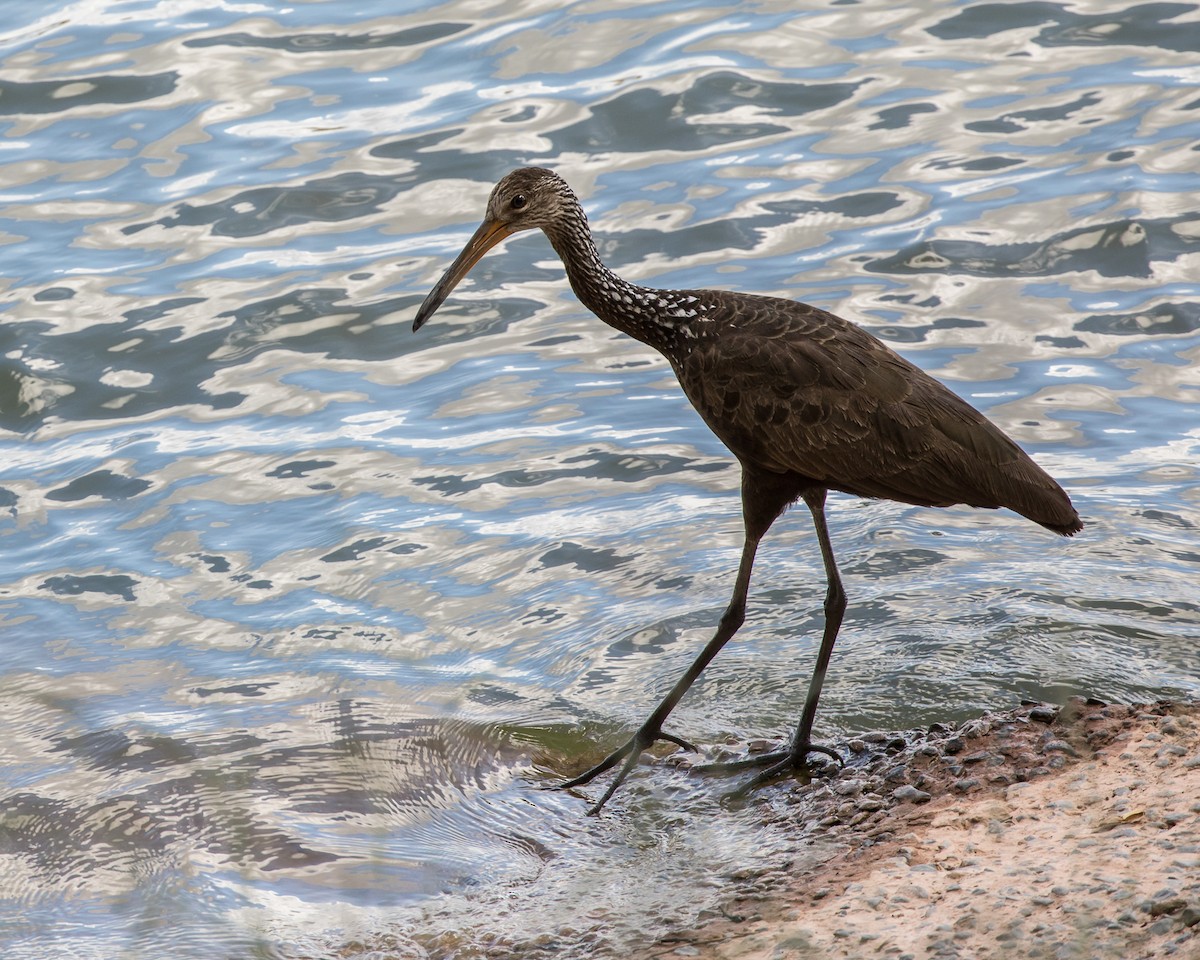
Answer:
(526, 198)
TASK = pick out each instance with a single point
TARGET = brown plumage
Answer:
(806, 401)
(790, 388)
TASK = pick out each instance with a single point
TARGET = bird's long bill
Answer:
(490, 233)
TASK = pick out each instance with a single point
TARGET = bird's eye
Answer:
(518, 201)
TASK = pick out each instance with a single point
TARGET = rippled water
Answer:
(300, 609)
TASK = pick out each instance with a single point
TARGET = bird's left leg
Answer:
(789, 761)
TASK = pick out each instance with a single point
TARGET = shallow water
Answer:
(299, 609)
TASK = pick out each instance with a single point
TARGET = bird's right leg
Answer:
(762, 502)
(651, 730)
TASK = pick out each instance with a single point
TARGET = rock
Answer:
(974, 729)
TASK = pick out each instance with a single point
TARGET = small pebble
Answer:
(911, 794)
(1163, 907)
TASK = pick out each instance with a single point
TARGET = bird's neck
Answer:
(619, 303)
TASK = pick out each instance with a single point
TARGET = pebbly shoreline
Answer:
(1068, 832)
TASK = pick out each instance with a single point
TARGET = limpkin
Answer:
(806, 401)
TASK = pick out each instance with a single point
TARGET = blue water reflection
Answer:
(300, 609)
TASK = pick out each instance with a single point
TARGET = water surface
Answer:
(300, 609)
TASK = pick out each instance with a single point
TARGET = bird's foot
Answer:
(630, 753)
(776, 758)
(779, 763)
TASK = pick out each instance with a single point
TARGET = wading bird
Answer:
(806, 401)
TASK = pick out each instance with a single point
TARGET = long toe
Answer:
(630, 752)
(800, 758)
(785, 760)
(743, 763)
(794, 763)
(784, 768)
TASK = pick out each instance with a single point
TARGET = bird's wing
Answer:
(794, 389)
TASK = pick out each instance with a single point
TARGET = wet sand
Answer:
(1043, 832)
